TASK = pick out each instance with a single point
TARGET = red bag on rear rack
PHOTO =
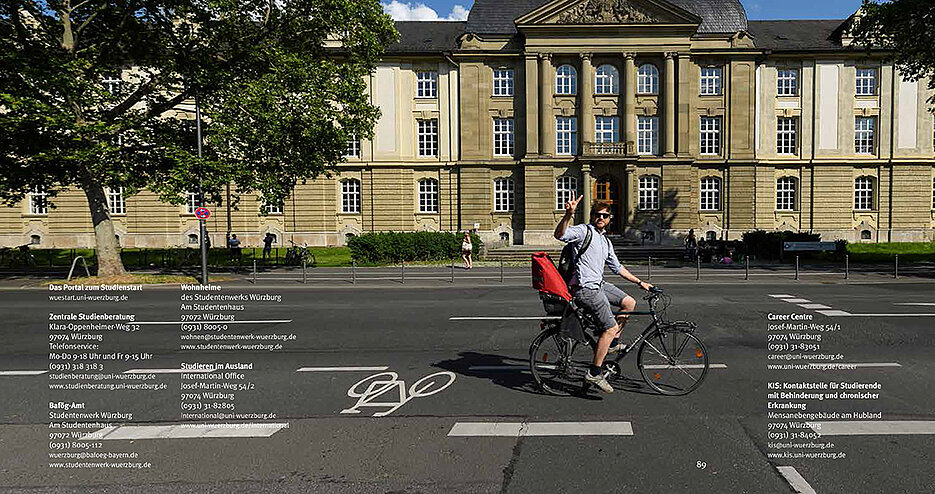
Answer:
(546, 278)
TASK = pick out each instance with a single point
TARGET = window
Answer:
(192, 202)
(786, 135)
(648, 193)
(647, 135)
(112, 84)
(933, 193)
(863, 135)
(426, 84)
(710, 135)
(193, 239)
(785, 194)
(350, 196)
(428, 138)
(647, 79)
(565, 189)
(502, 195)
(116, 202)
(606, 129)
(710, 80)
(866, 82)
(566, 135)
(606, 79)
(566, 80)
(428, 195)
(863, 193)
(787, 82)
(353, 148)
(503, 82)
(38, 201)
(710, 194)
(270, 208)
(503, 137)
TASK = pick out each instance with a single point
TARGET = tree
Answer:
(96, 94)
(905, 28)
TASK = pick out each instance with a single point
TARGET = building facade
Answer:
(680, 113)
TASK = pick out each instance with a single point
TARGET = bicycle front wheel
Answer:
(558, 363)
(673, 362)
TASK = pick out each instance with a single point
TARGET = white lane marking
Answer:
(168, 371)
(342, 369)
(920, 314)
(873, 427)
(526, 429)
(814, 306)
(686, 366)
(834, 313)
(184, 431)
(22, 372)
(795, 480)
(857, 364)
(916, 303)
(503, 318)
(499, 367)
(798, 300)
(269, 321)
(782, 295)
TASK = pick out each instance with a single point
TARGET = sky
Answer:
(457, 10)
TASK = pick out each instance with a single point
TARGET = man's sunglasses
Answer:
(603, 215)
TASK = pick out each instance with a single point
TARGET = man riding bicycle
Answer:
(589, 287)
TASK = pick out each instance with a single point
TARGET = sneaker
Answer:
(619, 347)
(600, 381)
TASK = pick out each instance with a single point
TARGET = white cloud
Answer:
(420, 12)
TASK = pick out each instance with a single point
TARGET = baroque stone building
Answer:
(680, 113)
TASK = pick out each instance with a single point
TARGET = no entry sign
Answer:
(202, 213)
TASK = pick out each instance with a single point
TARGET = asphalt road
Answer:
(388, 379)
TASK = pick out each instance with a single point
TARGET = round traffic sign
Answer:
(202, 213)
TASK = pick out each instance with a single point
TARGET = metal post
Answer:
(452, 271)
(404, 271)
(254, 271)
(650, 268)
(697, 268)
(847, 266)
(746, 267)
(201, 198)
(796, 267)
(896, 271)
(501, 270)
(304, 278)
(354, 272)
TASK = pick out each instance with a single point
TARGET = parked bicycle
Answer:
(296, 254)
(671, 359)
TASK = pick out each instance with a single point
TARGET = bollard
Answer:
(746, 267)
(304, 278)
(697, 268)
(796, 267)
(896, 270)
(847, 266)
(452, 271)
(254, 271)
(501, 270)
(404, 271)
(354, 272)
(650, 266)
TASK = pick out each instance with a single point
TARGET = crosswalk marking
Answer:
(375, 368)
(795, 480)
(782, 295)
(184, 431)
(540, 429)
(22, 372)
(169, 371)
(814, 306)
(874, 427)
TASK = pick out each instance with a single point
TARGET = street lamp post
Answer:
(203, 231)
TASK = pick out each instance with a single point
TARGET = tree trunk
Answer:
(108, 250)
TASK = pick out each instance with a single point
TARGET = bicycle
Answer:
(671, 359)
(295, 255)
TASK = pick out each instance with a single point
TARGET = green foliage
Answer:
(387, 247)
(768, 245)
(904, 28)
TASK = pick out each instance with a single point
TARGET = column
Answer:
(586, 189)
(546, 141)
(586, 104)
(669, 100)
(532, 105)
(628, 88)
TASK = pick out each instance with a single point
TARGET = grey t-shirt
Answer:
(590, 271)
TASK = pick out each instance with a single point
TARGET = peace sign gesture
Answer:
(572, 205)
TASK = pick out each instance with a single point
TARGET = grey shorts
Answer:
(602, 302)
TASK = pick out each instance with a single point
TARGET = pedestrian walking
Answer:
(467, 249)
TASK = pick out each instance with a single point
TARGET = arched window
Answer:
(565, 189)
(566, 80)
(606, 80)
(863, 193)
(648, 193)
(647, 79)
(428, 195)
(865, 235)
(710, 194)
(503, 197)
(785, 194)
(192, 238)
(350, 196)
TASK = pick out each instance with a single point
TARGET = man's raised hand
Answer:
(572, 205)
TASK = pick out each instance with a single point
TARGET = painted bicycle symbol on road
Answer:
(393, 391)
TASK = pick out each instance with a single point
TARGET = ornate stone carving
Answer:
(605, 12)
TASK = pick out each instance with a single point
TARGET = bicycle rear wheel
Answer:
(673, 362)
(558, 363)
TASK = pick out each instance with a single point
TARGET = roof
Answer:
(796, 35)
(496, 16)
(426, 36)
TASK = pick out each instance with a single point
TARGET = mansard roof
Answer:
(426, 36)
(497, 16)
(797, 35)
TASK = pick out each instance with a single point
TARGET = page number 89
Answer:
(701, 465)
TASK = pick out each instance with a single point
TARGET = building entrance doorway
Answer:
(606, 189)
